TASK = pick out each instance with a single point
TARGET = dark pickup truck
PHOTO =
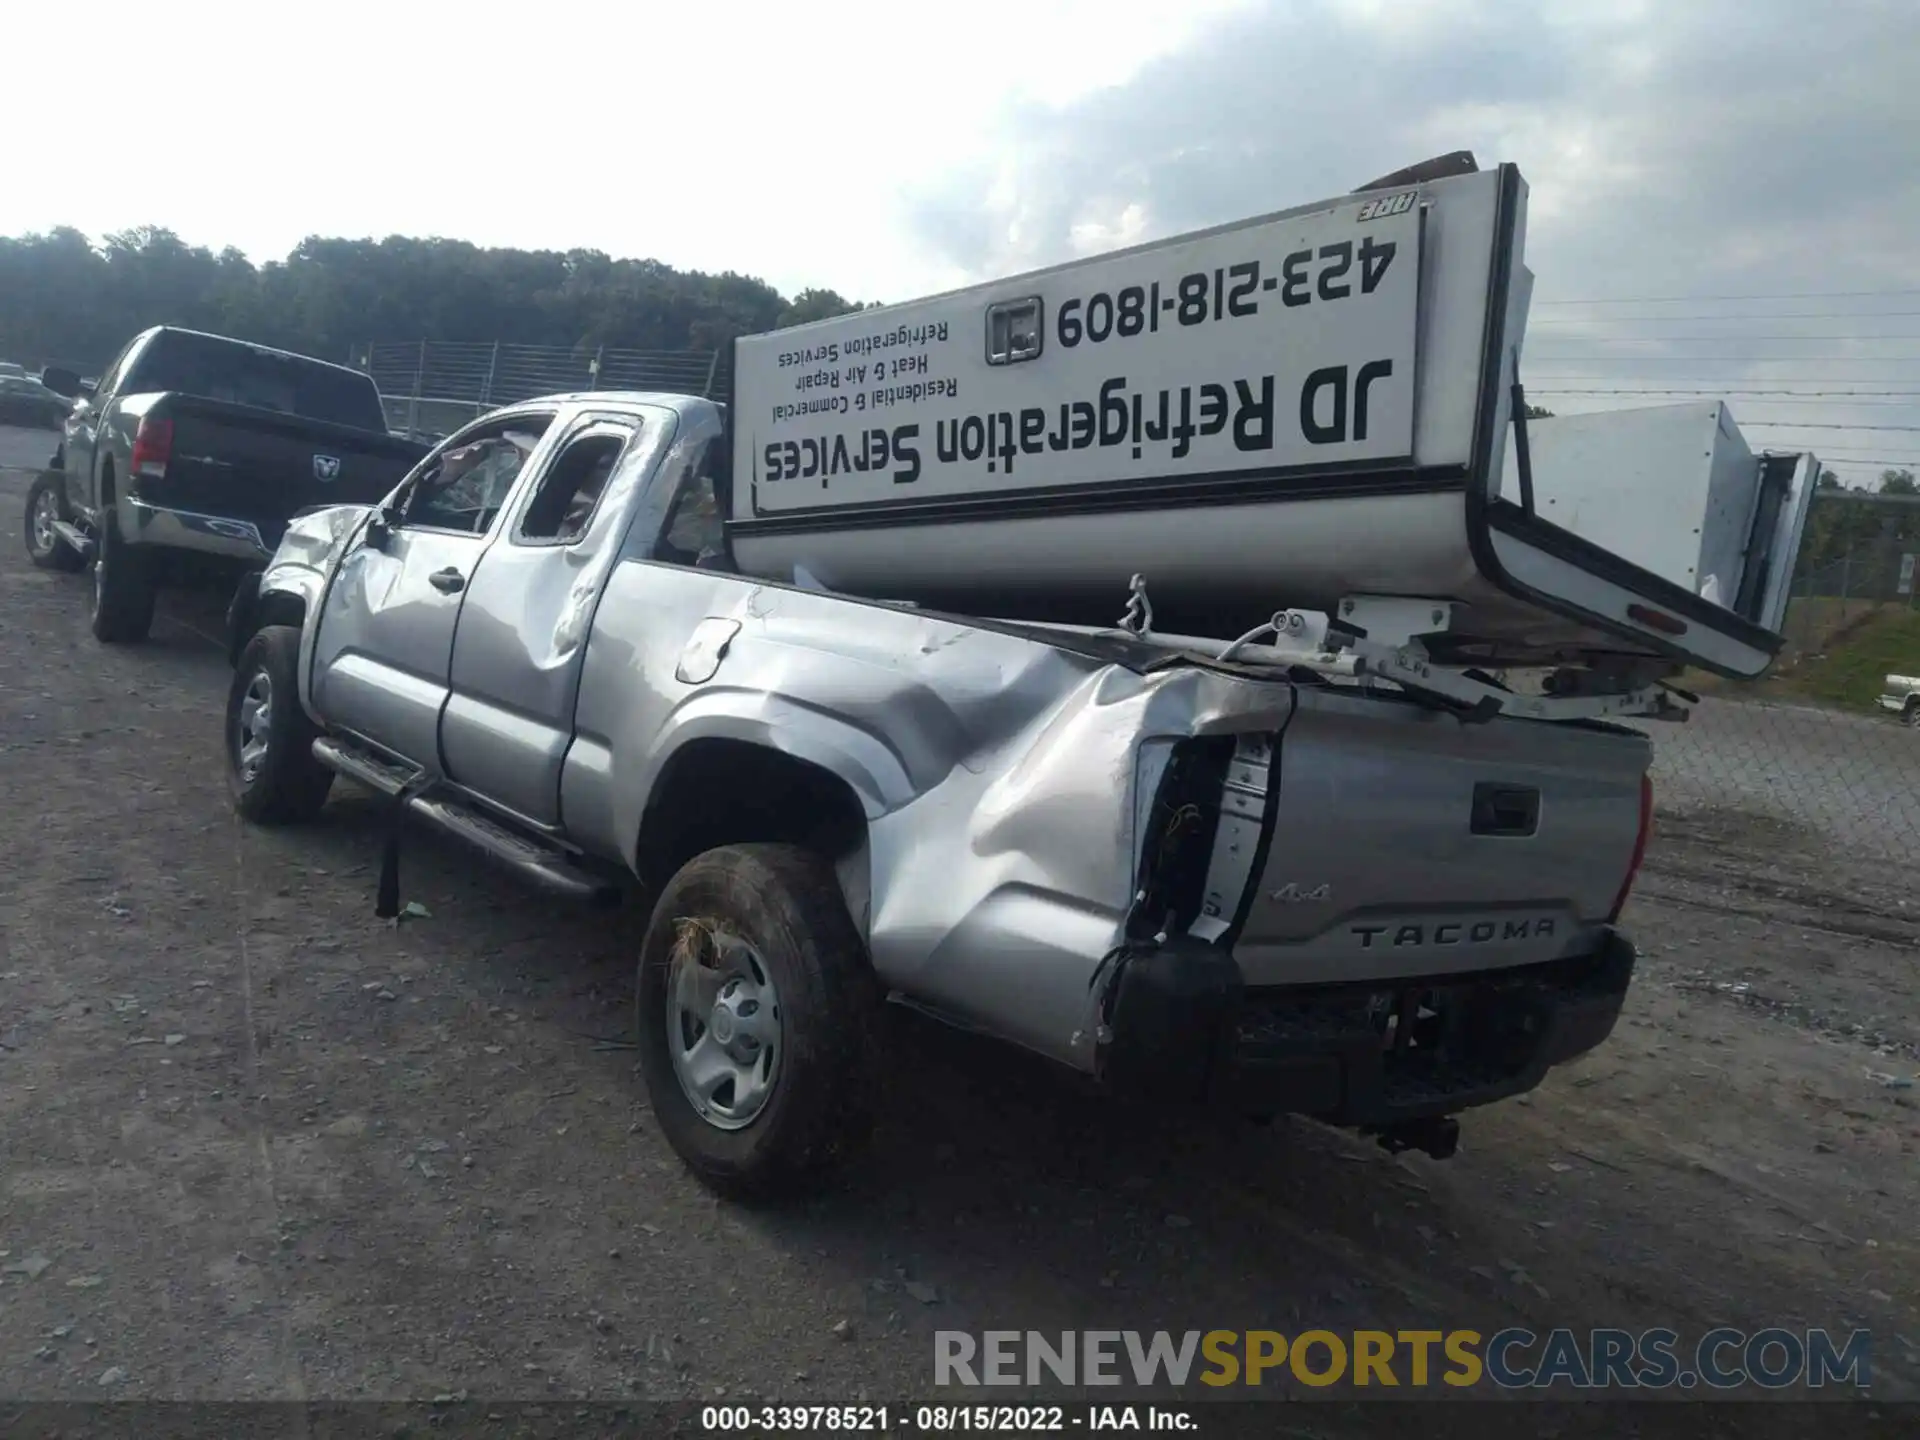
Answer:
(190, 456)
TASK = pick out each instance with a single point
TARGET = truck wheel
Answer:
(122, 588)
(1910, 715)
(271, 773)
(757, 1013)
(44, 546)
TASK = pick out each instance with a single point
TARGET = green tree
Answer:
(1898, 482)
(811, 305)
(65, 298)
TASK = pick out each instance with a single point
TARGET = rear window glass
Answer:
(218, 369)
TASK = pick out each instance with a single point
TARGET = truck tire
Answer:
(271, 773)
(45, 504)
(122, 607)
(757, 1019)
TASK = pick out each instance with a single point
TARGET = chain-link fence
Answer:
(1827, 747)
(432, 387)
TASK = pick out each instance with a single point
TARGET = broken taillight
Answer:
(152, 446)
(1639, 848)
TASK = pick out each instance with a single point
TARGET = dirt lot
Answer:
(255, 1143)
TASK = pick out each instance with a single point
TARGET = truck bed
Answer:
(238, 472)
(1285, 412)
(1312, 834)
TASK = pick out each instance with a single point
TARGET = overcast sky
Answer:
(1700, 149)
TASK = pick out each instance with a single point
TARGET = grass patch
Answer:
(1836, 653)
(1850, 672)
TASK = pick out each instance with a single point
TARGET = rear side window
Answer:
(695, 532)
(570, 491)
(218, 369)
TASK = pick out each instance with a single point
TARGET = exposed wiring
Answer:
(1252, 635)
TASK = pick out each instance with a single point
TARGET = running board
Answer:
(356, 764)
(542, 864)
(77, 539)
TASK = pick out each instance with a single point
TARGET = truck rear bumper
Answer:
(207, 534)
(1373, 1054)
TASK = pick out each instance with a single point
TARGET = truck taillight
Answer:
(152, 445)
(1639, 847)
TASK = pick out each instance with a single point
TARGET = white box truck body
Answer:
(1285, 412)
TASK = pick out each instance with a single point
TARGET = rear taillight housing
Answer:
(152, 446)
(1639, 848)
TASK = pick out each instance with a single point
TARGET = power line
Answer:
(1690, 359)
(1680, 299)
(1743, 339)
(1729, 379)
(1738, 319)
(1806, 398)
(1820, 425)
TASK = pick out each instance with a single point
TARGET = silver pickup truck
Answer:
(1249, 881)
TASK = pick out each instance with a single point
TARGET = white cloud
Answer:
(1722, 147)
(887, 150)
(771, 139)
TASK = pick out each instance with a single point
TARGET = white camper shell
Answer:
(1292, 411)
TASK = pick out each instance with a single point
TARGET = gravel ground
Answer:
(257, 1144)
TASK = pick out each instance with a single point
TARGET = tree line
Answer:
(1836, 529)
(65, 299)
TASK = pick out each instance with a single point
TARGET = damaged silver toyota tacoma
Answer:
(1338, 820)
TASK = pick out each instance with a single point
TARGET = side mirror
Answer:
(63, 382)
(379, 530)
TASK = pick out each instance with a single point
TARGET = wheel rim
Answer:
(256, 719)
(723, 1025)
(46, 509)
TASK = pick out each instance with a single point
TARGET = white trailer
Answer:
(1312, 409)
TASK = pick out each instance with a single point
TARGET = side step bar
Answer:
(77, 539)
(547, 866)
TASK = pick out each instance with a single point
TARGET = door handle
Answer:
(448, 581)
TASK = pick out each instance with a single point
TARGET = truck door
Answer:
(80, 432)
(523, 631)
(385, 640)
